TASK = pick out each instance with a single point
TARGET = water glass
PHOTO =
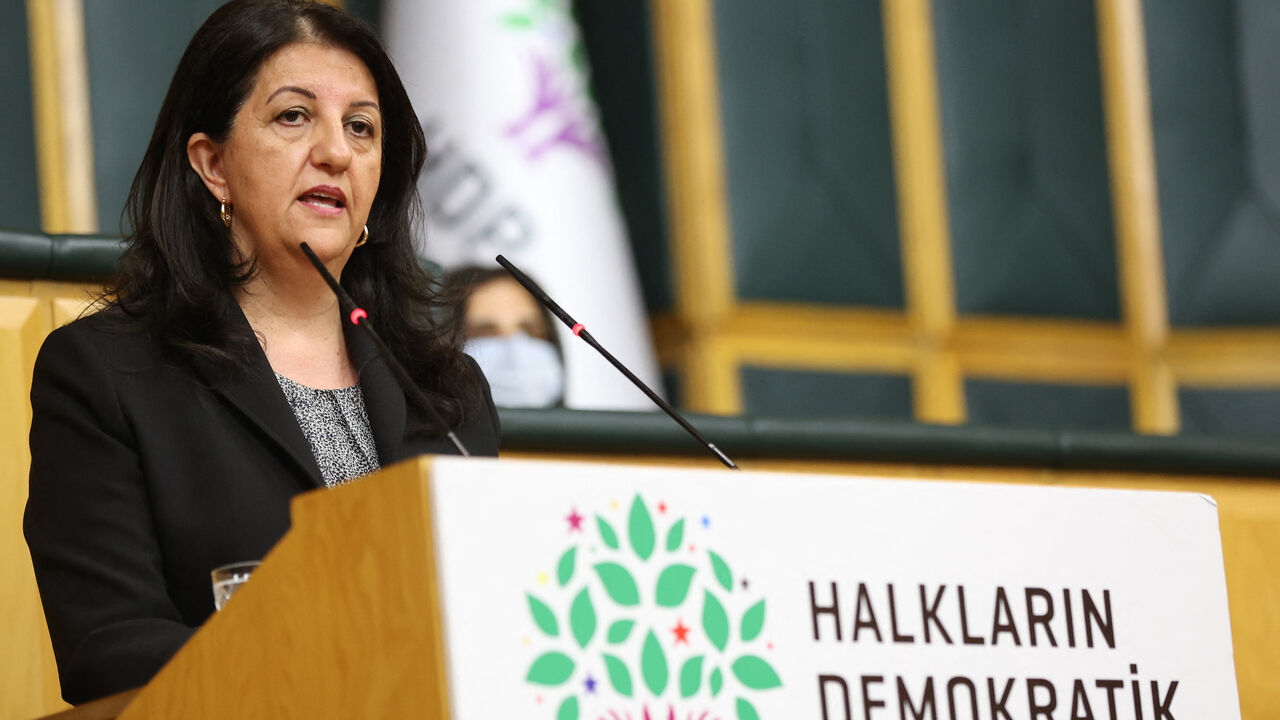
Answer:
(227, 579)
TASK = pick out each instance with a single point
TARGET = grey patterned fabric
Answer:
(337, 428)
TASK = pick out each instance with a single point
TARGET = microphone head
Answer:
(537, 292)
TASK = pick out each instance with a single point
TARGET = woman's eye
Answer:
(361, 128)
(292, 116)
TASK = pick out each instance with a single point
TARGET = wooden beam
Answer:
(693, 156)
(64, 135)
(922, 206)
(1135, 202)
(1226, 358)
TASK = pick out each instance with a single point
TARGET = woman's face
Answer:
(502, 307)
(304, 156)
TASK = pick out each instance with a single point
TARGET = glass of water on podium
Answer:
(227, 579)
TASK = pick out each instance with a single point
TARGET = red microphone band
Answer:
(357, 315)
(578, 328)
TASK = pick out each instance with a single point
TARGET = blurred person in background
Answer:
(511, 336)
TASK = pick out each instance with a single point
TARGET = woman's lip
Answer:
(325, 210)
(328, 190)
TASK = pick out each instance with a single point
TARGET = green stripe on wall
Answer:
(19, 182)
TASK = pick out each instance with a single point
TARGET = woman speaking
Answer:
(171, 429)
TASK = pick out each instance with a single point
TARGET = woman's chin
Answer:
(327, 243)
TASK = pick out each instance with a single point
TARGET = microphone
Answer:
(581, 332)
(358, 317)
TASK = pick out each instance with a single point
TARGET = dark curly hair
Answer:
(177, 269)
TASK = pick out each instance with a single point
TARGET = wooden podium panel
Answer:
(445, 587)
(338, 622)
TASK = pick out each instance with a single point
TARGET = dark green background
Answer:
(810, 174)
(19, 184)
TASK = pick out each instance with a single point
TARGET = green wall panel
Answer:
(1215, 97)
(19, 181)
(1047, 405)
(618, 39)
(673, 385)
(807, 144)
(368, 10)
(1243, 412)
(1026, 169)
(133, 48)
(798, 393)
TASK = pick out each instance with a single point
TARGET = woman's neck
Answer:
(298, 322)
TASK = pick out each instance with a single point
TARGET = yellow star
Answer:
(613, 504)
(527, 641)
(542, 578)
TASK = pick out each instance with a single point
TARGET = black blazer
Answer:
(147, 473)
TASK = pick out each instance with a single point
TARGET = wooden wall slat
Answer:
(922, 206)
(1131, 154)
(64, 134)
(28, 676)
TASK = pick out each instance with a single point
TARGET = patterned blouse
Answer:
(337, 428)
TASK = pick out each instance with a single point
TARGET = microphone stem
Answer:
(657, 399)
(349, 310)
(581, 332)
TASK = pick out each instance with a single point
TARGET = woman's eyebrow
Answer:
(309, 94)
(292, 88)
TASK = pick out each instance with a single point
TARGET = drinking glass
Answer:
(227, 579)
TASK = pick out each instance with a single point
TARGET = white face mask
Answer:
(522, 371)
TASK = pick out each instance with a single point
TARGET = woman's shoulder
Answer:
(108, 338)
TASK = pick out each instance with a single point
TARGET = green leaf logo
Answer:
(568, 709)
(640, 527)
(582, 619)
(619, 675)
(673, 585)
(619, 631)
(691, 676)
(653, 665)
(543, 617)
(715, 623)
(755, 673)
(607, 535)
(688, 645)
(721, 569)
(619, 584)
(564, 570)
(675, 536)
(551, 668)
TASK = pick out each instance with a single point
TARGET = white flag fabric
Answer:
(517, 165)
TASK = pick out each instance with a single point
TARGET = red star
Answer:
(662, 508)
(681, 632)
(575, 521)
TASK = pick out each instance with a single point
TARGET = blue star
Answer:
(591, 684)
(706, 521)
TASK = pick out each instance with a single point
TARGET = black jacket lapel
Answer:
(383, 398)
(257, 395)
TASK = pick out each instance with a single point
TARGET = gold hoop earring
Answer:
(224, 212)
(364, 237)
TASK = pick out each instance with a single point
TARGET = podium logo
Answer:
(642, 621)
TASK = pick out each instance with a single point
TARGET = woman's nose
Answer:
(331, 148)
